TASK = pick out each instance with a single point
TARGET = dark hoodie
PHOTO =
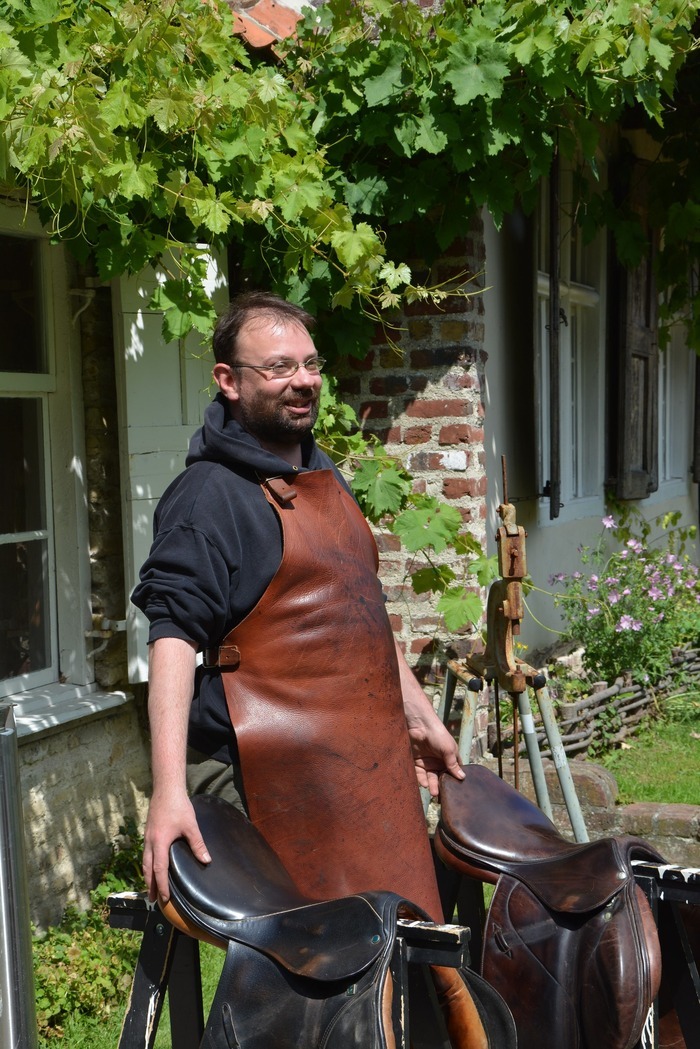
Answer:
(217, 544)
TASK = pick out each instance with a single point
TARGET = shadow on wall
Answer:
(79, 786)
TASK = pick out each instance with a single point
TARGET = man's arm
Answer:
(170, 814)
(434, 747)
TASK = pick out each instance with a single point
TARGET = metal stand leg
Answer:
(533, 753)
(561, 763)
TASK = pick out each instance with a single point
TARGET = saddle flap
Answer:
(590, 979)
(246, 895)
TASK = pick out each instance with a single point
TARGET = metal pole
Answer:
(539, 780)
(561, 764)
(18, 1028)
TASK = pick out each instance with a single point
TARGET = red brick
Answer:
(476, 486)
(387, 542)
(391, 357)
(455, 434)
(374, 410)
(396, 623)
(419, 329)
(425, 645)
(462, 381)
(350, 386)
(455, 487)
(435, 409)
(391, 435)
(363, 364)
(389, 385)
(417, 435)
(442, 356)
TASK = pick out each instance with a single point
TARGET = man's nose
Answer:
(303, 377)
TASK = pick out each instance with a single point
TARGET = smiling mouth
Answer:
(299, 408)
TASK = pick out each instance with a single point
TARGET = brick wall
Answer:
(420, 391)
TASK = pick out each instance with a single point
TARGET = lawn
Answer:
(661, 763)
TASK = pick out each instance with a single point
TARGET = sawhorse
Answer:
(674, 896)
(169, 961)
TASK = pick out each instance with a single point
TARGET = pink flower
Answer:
(608, 522)
(627, 623)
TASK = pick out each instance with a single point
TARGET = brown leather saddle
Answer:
(570, 941)
(304, 973)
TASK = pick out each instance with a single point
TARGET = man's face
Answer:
(276, 411)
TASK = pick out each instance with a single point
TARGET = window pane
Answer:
(24, 608)
(24, 594)
(21, 307)
(23, 506)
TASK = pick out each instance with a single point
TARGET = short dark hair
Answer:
(254, 304)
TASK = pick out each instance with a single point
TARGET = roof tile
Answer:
(263, 23)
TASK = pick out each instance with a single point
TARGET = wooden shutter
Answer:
(638, 372)
(696, 430)
(164, 389)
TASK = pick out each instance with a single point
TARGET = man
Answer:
(262, 561)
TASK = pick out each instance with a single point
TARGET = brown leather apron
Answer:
(312, 688)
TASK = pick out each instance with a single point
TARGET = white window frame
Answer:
(582, 370)
(71, 692)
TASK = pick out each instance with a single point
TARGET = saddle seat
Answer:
(570, 941)
(247, 896)
(303, 972)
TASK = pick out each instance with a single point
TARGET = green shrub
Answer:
(82, 966)
(635, 601)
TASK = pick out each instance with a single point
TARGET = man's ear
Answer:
(227, 380)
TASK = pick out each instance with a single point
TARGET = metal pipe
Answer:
(561, 764)
(539, 780)
(18, 1029)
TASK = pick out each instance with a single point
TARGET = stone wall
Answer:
(79, 786)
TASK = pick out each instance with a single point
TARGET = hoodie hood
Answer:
(223, 440)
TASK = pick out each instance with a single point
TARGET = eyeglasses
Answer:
(286, 367)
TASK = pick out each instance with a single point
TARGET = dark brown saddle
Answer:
(570, 941)
(304, 974)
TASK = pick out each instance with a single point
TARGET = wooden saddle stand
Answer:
(571, 958)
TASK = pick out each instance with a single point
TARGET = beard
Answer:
(270, 421)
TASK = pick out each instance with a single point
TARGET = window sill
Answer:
(45, 710)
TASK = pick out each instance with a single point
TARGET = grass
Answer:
(661, 763)
(83, 1033)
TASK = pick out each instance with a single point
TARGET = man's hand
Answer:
(434, 751)
(434, 748)
(167, 821)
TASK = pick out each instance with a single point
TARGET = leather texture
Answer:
(316, 705)
(304, 973)
(569, 941)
